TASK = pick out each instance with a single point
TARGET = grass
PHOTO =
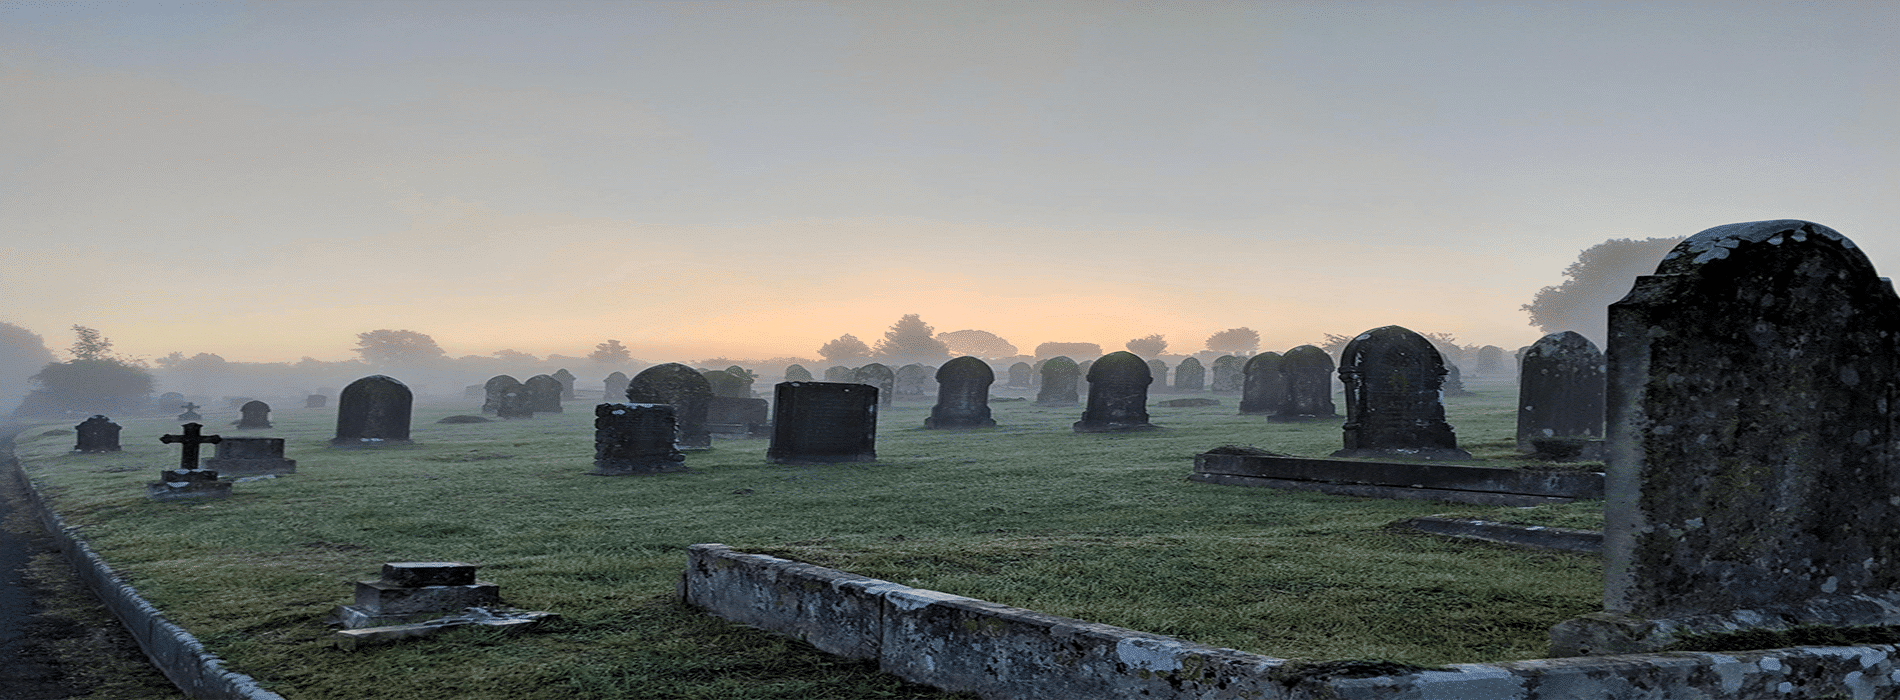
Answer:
(1103, 527)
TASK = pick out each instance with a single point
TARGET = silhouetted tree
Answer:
(977, 343)
(910, 339)
(610, 353)
(22, 353)
(94, 381)
(516, 357)
(405, 347)
(844, 350)
(1150, 346)
(1234, 341)
(1601, 276)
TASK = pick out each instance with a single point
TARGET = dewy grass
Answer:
(1102, 527)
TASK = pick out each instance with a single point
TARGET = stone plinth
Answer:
(188, 484)
(412, 591)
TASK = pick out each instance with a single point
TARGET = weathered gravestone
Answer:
(1392, 377)
(171, 401)
(250, 456)
(188, 481)
(737, 417)
(797, 373)
(725, 383)
(963, 395)
(543, 393)
(97, 434)
(566, 379)
(1262, 387)
(1190, 376)
(1560, 392)
(1058, 382)
(879, 376)
(316, 401)
(823, 422)
(635, 438)
(254, 415)
(1490, 362)
(614, 386)
(506, 398)
(745, 378)
(1118, 395)
(1158, 370)
(1308, 373)
(840, 374)
(372, 412)
(190, 411)
(911, 380)
(1226, 371)
(683, 388)
(1751, 442)
(1019, 374)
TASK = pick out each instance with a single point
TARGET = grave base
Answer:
(1605, 633)
(352, 639)
(1437, 454)
(229, 468)
(188, 484)
(1456, 483)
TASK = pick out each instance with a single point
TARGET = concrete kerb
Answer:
(177, 654)
(963, 644)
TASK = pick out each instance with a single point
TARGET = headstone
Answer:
(566, 379)
(1560, 392)
(506, 398)
(1393, 410)
(1262, 387)
(839, 374)
(1490, 362)
(683, 388)
(188, 482)
(738, 417)
(190, 412)
(614, 386)
(373, 412)
(543, 393)
(1308, 373)
(1454, 382)
(963, 395)
(413, 591)
(745, 379)
(250, 456)
(1751, 442)
(254, 415)
(171, 401)
(910, 380)
(724, 383)
(1226, 371)
(823, 422)
(1190, 376)
(1118, 395)
(1059, 375)
(1018, 375)
(316, 401)
(96, 435)
(879, 376)
(797, 373)
(635, 438)
(1158, 370)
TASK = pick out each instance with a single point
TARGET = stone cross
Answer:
(191, 440)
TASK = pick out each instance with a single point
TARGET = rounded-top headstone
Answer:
(373, 411)
(1308, 373)
(963, 395)
(797, 373)
(1189, 375)
(1118, 394)
(683, 388)
(1560, 392)
(97, 434)
(1393, 378)
(254, 415)
(544, 393)
(880, 376)
(1059, 375)
(1262, 387)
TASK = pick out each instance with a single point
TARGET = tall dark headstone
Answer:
(1262, 387)
(1158, 370)
(254, 415)
(683, 388)
(1392, 377)
(1018, 375)
(823, 422)
(1751, 461)
(372, 412)
(1226, 371)
(1059, 376)
(1308, 373)
(963, 395)
(614, 386)
(635, 438)
(543, 393)
(97, 434)
(879, 376)
(1118, 394)
(1560, 393)
(797, 373)
(566, 379)
(1189, 376)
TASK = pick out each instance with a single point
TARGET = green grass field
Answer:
(1102, 527)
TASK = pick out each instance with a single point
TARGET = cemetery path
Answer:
(56, 639)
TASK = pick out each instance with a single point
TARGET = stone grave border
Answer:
(964, 644)
(197, 672)
(1456, 483)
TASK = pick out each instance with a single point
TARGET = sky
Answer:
(753, 178)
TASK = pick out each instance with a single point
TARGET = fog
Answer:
(748, 181)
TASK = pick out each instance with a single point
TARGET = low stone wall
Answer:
(1415, 480)
(177, 654)
(999, 652)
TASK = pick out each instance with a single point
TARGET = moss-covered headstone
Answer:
(1394, 404)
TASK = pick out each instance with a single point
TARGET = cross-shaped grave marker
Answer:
(191, 440)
